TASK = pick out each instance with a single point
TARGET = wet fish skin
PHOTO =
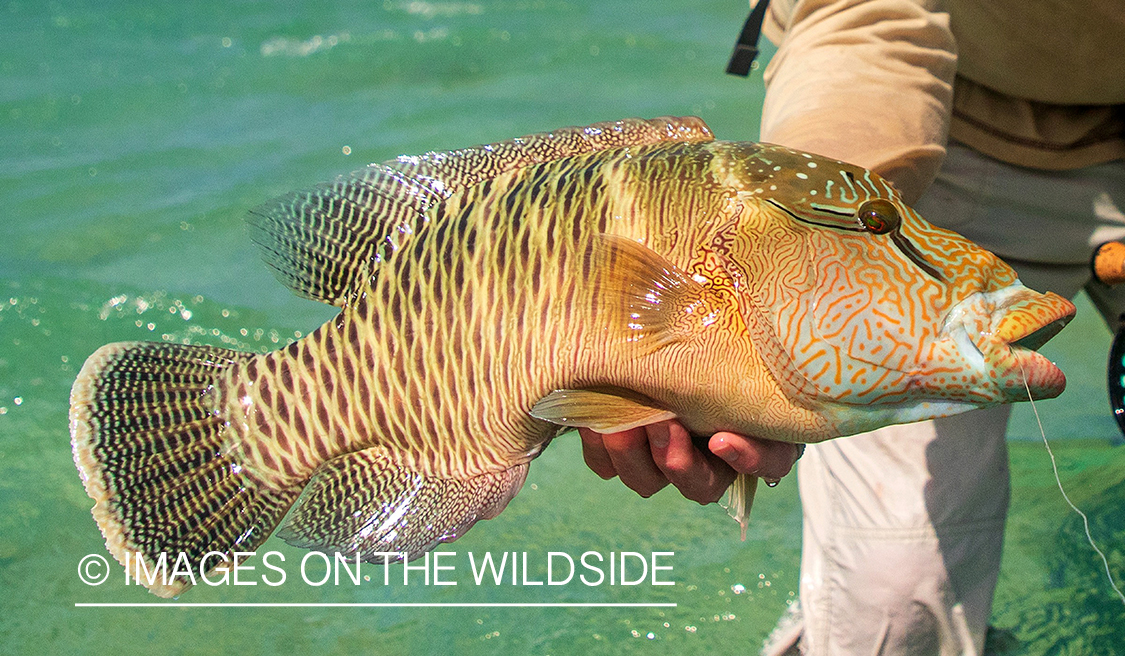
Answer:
(607, 276)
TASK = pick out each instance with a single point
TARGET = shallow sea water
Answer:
(133, 139)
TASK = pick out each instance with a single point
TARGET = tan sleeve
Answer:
(867, 81)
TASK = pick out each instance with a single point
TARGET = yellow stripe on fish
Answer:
(608, 276)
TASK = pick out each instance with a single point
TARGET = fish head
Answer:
(865, 312)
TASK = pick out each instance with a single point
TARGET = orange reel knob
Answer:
(1109, 263)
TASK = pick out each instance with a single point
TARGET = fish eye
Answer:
(879, 216)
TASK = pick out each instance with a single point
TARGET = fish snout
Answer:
(998, 334)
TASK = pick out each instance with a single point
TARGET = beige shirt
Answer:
(1037, 83)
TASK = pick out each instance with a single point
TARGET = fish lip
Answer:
(1024, 322)
(1032, 375)
(999, 331)
(1013, 316)
(1029, 319)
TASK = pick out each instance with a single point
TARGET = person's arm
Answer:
(869, 82)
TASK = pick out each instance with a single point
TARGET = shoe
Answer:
(784, 639)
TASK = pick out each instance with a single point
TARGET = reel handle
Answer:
(1108, 263)
(1108, 266)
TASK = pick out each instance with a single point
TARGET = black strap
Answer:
(747, 47)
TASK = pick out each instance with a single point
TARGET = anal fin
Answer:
(740, 498)
(605, 411)
(364, 502)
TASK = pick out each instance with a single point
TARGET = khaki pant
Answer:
(903, 526)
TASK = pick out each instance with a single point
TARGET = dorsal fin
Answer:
(324, 240)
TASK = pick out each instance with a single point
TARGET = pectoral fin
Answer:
(365, 502)
(605, 411)
(645, 299)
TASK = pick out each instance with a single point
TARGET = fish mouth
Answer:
(999, 334)
(1050, 312)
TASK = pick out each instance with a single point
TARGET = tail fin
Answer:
(155, 454)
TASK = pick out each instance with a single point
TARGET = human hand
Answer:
(648, 458)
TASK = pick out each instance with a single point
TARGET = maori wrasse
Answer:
(607, 276)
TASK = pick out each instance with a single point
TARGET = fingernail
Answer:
(724, 450)
(659, 438)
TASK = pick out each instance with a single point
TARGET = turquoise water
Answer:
(133, 139)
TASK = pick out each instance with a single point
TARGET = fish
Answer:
(493, 297)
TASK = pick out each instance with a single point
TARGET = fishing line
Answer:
(1055, 467)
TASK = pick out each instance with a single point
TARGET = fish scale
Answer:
(419, 389)
(606, 277)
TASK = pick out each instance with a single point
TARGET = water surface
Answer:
(133, 139)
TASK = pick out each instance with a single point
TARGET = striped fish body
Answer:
(512, 292)
(608, 277)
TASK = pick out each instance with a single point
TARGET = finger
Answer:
(765, 458)
(595, 455)
(632, 460)
(698, 476)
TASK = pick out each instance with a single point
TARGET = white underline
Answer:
(405, 604)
